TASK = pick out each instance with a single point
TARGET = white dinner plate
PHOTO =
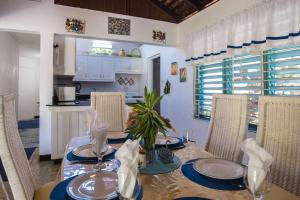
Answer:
(92, 186)
(162, 140)
(219, 168)
(86, 151)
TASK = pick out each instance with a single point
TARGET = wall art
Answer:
(159, 36)
(75, 25)
(118, 26)
(174, 68)
(183, 74)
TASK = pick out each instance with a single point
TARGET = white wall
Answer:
(47, 18)
(178, 105)
(9, 64)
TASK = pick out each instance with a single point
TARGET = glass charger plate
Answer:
(97, 185)
(169, 140)
(219, 168)
(85, 151)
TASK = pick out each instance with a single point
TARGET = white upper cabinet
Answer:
(108, 69)
(94, 68)
(104, 68)
(64, 56)
(129, 65)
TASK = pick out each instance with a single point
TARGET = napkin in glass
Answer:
(128, 155)
(99, 135)
(259, 162)
(91, 120)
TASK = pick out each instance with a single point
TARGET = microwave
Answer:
(66, 93)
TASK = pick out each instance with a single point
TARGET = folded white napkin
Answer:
(128, 155)
(91, 120)
(99, 134)
(259, 162)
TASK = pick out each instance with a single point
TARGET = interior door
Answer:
(27, 101)
(156, 79)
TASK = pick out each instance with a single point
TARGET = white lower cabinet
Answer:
(66, 124)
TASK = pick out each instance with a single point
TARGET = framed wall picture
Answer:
(159, 36)
(118, 26)
(75, 25)
(183, 74)
(174, 68)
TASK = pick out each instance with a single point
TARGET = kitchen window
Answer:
(273, 72)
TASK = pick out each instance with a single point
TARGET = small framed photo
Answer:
(174, 68)
(183, 74)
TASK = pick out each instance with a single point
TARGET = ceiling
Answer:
(174, 11)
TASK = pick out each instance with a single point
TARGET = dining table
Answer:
(174, 184)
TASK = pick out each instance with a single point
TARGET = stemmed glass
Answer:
(189, 135)
(258, 190)
(100, 150)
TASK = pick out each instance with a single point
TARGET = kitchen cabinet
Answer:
(67, 122)
(64, 56)
(128, 65)
(94, 68)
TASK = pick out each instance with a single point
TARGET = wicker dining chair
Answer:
(279, 133)
(110, 108)
(228, 126)
(20, 179)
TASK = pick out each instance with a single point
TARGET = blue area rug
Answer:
(28, 151)
(26, 124)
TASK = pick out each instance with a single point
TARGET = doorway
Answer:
(156, 79)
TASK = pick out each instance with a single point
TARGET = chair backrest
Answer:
(279, 133)
(110, 107)
(12, 152)
(228, 126)
(3, 192)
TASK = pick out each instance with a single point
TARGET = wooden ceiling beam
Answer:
(166, 10)
(192, 4)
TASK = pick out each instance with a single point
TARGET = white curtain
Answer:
(271, 23)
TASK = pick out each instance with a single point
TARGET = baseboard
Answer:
(45, 157)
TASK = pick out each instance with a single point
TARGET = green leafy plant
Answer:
(144, 121)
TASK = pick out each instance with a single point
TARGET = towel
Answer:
(259, 162)
(128, 155)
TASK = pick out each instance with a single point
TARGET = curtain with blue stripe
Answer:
(268, 24)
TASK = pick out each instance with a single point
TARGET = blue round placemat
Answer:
(157, 167)
(189, 172)
(71, 157)
(60, 191)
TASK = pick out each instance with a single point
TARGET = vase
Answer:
(150, 156)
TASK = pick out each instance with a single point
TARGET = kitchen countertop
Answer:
(76, 103)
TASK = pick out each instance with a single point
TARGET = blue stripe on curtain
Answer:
(247, 44)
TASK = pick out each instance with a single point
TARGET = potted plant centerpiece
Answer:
(145, 122)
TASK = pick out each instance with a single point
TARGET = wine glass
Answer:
(258, 188)
(189, 135)
(100, 149)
